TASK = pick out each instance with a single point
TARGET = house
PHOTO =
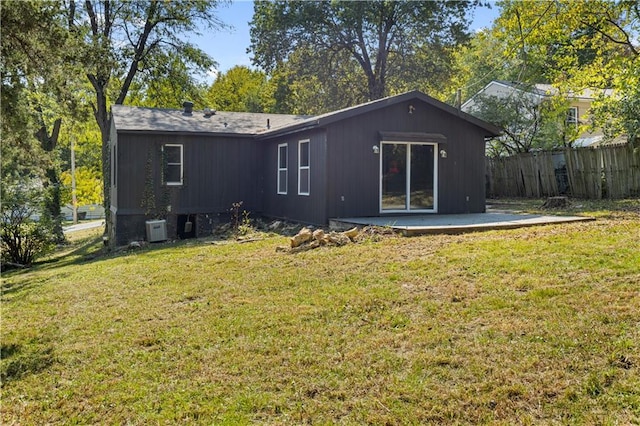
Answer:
(577, 112)
(405, 154)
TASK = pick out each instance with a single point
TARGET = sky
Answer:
(229, 47)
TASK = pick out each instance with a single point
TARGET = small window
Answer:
(114, 166)
(572, 116)
(173, 164)
(283, 158)
(304, 177)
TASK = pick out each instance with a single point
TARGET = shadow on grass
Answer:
(87, 250)
(17, 361)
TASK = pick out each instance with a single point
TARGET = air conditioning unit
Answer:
(156, 230)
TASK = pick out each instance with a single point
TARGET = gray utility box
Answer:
(156, 230)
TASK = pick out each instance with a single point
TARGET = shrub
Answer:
(22, 239)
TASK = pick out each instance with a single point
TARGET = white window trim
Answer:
(574, 117)
(283, 169)
(301, 168)
(114, 166)
(408, 177)
(174, 164)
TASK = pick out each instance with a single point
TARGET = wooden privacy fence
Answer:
(593, 173)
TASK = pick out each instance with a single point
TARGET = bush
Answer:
(22, 239)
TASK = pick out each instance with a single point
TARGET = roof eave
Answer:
(330, 118)
(185, 132)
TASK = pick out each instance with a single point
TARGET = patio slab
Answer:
(456, 223)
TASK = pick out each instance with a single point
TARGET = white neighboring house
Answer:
(578, 113)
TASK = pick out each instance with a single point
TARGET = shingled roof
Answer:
(140, 119)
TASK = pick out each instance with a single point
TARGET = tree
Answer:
(578, 45)
(620, 113)
(480, 61)
(120, 40)
(384, 38)
(241, 89)
(301, 88)
(528, 121)
(166, 83)
(35, 49)
(84, 135)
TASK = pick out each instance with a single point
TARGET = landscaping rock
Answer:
(306, 239)
(319, 235)
(338, 239)
(301, 237)
(351, 233)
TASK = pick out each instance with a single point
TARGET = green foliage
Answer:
(383, 42)
(33, 46)
(528, 121)
(478, 62)
(39, 91)
(309, 90)
(22, 240)
(88, 186)
(578, 45)
(166, 81)
(620, 113)
(578, 42)
(241, 89)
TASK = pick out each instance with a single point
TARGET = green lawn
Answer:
(531, 326)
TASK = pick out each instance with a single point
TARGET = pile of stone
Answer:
(306, 239)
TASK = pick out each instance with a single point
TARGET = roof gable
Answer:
(503, 88)
(343, 114)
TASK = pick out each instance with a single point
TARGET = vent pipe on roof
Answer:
(188, 107)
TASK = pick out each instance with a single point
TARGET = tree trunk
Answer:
(102, 118)
(52, 199)
(375, 86)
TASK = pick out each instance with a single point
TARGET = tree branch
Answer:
(627, 42)
(92, 17)
(139, 54)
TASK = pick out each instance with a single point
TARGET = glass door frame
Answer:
(408, 208)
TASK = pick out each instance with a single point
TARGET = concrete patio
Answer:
(456, 223)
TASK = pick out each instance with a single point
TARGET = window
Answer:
(114, 166)
(303, 167)
(172, 160)
(572, 116)
(283, 155)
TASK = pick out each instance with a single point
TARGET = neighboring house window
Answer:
(173, 164)
(572, 116)
(303, 167)
(283, 158)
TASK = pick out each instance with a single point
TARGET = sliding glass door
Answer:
(408, 177)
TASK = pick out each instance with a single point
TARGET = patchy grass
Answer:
(612, 209)
(528, 326)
